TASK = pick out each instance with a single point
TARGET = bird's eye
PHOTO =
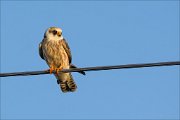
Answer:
(54, 32)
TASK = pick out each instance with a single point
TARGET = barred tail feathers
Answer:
(66, 82)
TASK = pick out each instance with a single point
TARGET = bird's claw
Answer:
(51, 70)
(58, 69)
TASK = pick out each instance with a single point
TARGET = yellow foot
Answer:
(58, 69)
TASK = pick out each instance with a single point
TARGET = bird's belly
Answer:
(57, 56)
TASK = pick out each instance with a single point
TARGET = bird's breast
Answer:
(55, 53)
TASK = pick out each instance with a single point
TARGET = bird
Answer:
(56, 52)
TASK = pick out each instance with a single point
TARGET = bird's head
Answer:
(53, 33)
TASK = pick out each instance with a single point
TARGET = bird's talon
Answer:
(58, 69)
(51, 70)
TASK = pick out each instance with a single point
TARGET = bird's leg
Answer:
(58, 69)
(52, 68)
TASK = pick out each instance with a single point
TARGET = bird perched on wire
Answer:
(56, 52)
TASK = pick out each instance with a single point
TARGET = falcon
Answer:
(56, 52)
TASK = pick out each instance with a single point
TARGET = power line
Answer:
(97, 68)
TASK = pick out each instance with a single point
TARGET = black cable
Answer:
(93, 68)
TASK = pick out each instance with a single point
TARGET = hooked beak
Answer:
(59, 33)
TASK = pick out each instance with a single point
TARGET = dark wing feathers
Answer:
(73, 66)
(41, 51)
(67, 49)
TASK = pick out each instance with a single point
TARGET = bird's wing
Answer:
(73, 66)
(67, 49)
(41, 50)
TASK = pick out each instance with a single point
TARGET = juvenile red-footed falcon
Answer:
(56, 52)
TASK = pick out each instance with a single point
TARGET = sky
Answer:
(99, 33)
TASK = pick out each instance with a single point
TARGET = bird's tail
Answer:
(67, 85)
